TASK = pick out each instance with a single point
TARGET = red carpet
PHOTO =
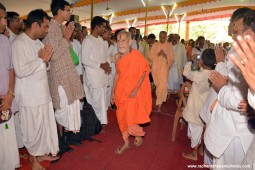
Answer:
(158, 152)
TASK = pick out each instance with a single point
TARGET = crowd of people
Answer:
(52, 66)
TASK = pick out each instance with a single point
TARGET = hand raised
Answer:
(45, 53)
(219, 53)
(218, 80)
(245, 48)
(106, 67)
(68, 31)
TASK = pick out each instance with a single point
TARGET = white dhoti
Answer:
(18, 131)
(69, 115)
(174, 80)
(233, 155)
(9, 153)
(39, 130)
(195, 134)
(208, 157)
(97, 98)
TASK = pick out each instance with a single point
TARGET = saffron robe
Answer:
(136, 110)
(160, 68)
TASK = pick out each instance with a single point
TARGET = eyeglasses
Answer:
(235, 32)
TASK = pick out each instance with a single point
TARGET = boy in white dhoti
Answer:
(9, 156)
(96, 69)
(198, 94)
(38, 125)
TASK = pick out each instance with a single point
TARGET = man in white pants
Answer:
(96, 69)
(37, 120)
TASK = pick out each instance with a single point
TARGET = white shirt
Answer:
(134, 46)
(31, 88)
(93, 54)
(226, 120)
(12, 36)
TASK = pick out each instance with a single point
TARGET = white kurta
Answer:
(110, 56)
(205, 113)
(134, 46)
(95, 78)
(226, 121)
(196, 51)
(175, 78)
(249, 158)
(37, 119)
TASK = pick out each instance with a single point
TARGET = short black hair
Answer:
(131, 28)
(2, 7)
(11, 16)
(97, 21)
(36, 16)
(200, 38)
(108, 28)
(239, 13)
(151, 36)
(83, 28)
(209, 58)
(249, 20)
(58, 5)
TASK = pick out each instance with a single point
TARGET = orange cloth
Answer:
(132, 111)
(160, 68)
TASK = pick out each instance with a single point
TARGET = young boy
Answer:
(198, 94)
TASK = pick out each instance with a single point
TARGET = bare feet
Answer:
(23, 155)
(192, 155)
(35, 165)
(47, 158)
(121, 150)
(201, 150)
(159, 108)
(138, 141)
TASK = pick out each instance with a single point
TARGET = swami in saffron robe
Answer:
(133, 111)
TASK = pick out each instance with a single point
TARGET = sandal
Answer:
(121, 150)
(138, 143)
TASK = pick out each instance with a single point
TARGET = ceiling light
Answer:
(143, 2)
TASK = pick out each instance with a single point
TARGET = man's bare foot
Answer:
(47, 158)
(159, 108)
(192, 155)
(23, 155)
(138, 141)
(121, 150)
(35, 165)
(201, 150)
